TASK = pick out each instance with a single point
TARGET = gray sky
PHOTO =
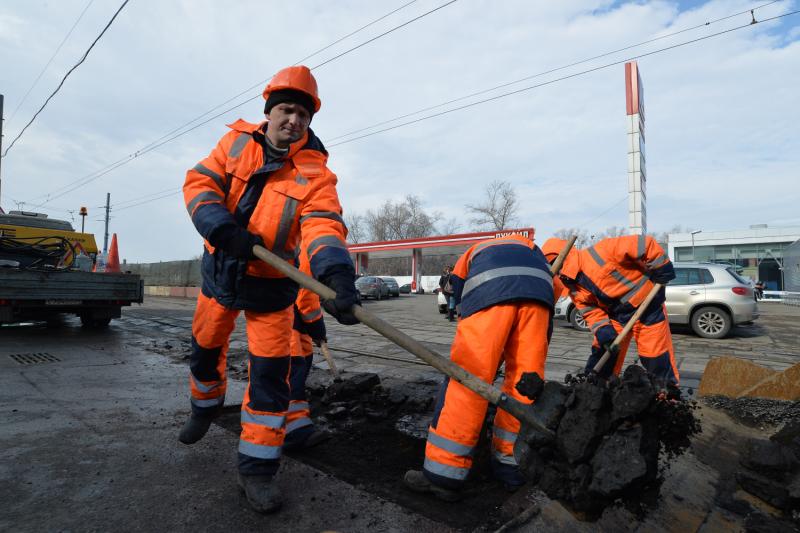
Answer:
(722, 115)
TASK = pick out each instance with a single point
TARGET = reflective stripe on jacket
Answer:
(292, 204)
(501, 270)
(613, 278)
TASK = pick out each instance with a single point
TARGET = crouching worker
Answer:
(607, 283)
(505, 292)
(308, 330)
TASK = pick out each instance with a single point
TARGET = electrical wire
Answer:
(594, 69)
(82, 59)
(139, 198)
(550, 71)
(562, 78)
(167, 195)
(44, 69)
(176, 133)
(262, 82)
(46, 254)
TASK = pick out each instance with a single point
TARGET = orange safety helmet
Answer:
(297, 78)
(553, 246)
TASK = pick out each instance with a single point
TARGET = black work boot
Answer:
(451, 314)
(196, 427)
(262, 493)
(416, 481)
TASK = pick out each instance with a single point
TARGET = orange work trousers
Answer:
(298, 419)
(517, 333)
(266, 399)
(654, 342)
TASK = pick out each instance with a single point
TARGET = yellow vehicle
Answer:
(45, 271)
(33, 238)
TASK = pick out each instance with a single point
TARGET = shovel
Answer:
(323, 346)
(627, 329)
(486, 391)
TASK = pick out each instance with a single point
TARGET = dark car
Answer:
(405, 289)
(394, 288)
(372, 287)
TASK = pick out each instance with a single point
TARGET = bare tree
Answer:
(402, 220)
(565, 233)
(449, 226)
(498, 210)
(356, 230)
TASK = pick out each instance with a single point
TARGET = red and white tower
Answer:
(637, 177)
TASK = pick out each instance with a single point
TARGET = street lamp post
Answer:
(695, 232)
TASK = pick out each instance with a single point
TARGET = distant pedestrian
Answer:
(446, 287)
(758, 290)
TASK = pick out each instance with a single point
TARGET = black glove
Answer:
(239, 244)
(605, 338)
(605, 335)
(342, 281)
(316, 330)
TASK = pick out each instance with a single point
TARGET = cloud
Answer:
(721, 119)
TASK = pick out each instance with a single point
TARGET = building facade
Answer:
(757, 253)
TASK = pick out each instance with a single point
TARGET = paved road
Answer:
(89, 433)
(772, 341)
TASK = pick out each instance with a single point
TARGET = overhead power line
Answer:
(562, 78)
(176, 133)
(608, 65)
(44, 69)
(550, 71)
(82, 59)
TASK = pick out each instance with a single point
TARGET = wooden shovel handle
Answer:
(444, 365)
(323, 346)
(628, 327)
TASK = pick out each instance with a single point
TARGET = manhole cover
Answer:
(33, 358)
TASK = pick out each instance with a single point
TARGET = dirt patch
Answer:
(378, 432)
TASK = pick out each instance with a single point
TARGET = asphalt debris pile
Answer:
(609, 436)
(771, 469)
(756, 412)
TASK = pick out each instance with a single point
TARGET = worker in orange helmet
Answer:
(504, 291)
(308, 330)
(551, 248)
(263, 184)
(607, 282)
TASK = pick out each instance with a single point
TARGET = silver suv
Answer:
(711, 298)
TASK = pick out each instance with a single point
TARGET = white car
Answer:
(709, 297)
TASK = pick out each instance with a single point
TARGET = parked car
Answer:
(441, 302)
(394, 288)
(405, 289)
(709, 297)
(372, 287)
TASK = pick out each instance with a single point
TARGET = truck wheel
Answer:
(711, 322)
(577, 321)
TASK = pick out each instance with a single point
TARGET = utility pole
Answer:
(1, 144)
(108, 211)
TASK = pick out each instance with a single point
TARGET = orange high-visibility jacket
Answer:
(291, 203)
(610, 279)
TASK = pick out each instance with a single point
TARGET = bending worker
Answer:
(607, 282)
(505, 291)
(264, 184)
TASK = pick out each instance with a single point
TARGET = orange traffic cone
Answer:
(112, 263)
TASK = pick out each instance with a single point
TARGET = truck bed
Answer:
(28, 285)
